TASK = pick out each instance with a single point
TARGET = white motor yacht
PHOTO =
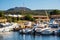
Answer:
(46, 31)
(8, 26)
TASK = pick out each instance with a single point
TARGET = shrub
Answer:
(14, 19)
(29, 17)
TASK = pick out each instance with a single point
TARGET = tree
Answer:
(55, 12)
(29, 17)
(9, 19)
(14, 19)
(1, 14)
(18, 18)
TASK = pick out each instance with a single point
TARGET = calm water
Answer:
(17, 36)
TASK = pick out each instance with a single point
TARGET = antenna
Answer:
(23, 5)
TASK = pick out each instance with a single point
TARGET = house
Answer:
(41, 17)
(14, 15)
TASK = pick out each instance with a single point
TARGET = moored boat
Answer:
(6, 27)
(46, 31)
(26, 31)
(57, 32)
(37, 30)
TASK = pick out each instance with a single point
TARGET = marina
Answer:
(29, 19)
(41, 28)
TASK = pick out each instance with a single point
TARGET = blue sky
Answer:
(32, 4)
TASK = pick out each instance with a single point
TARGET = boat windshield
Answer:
(8, 25)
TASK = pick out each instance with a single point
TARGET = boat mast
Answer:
(23, 5)
(47, 16)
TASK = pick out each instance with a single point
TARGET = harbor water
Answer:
(18, 36)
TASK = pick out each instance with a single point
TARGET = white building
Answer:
(14, 15)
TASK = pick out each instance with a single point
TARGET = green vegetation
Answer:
(1, 13)
(18, 18)
(14, 19)
(29, 17)
(55, 12)
(9, 19)
(27, 12)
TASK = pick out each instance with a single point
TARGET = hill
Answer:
(25, 10)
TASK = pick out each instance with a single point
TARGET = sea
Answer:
(18, 36)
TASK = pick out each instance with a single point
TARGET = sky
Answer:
(32, 4)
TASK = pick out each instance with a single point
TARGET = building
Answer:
(43, 18)
(14, 15)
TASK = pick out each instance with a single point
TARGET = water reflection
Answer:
(17, 36)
